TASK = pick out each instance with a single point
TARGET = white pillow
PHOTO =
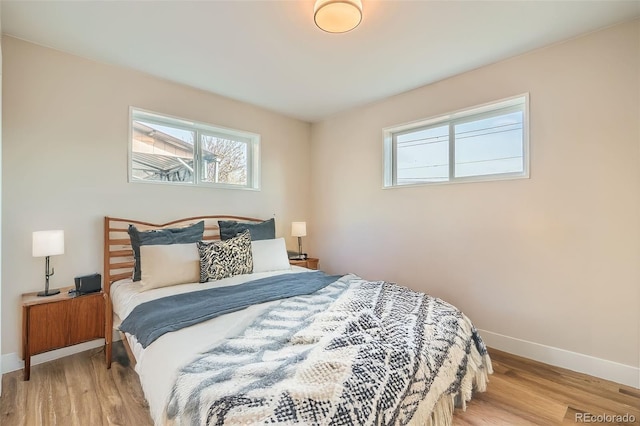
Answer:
(269, 255)
(165, 265)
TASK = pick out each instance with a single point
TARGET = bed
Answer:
(286, 345)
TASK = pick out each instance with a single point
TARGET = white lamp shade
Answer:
(298, 229)
(337, 16)
(48, 243)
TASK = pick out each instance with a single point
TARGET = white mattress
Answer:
(158, 364)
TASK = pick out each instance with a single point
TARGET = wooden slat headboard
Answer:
(118, 254)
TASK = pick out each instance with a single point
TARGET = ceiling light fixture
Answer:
(337, 16)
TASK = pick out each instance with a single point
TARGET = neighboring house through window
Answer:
(172, 150)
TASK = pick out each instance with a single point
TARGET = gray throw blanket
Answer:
(353, 353)
(148, 321)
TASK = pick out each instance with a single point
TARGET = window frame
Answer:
(479, 112)
(199, 128)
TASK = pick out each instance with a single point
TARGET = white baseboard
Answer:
(597, 367)
(13, 361)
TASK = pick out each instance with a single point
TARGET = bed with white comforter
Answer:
(346, 352)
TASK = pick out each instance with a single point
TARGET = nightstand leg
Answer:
(25, 343)
(108, 330)
(27, 367)
(107, 352)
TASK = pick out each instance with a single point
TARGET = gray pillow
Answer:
(259, 231)
(156, 237)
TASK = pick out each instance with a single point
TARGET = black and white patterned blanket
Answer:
(354, 353)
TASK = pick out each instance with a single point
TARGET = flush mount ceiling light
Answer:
(337, 16)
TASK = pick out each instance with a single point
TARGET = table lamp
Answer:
(45, 244)
(299, 229)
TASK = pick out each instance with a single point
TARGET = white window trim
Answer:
(456, 117)
(253, 149)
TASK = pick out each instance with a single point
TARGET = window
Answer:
(172, 150)
(483, 143)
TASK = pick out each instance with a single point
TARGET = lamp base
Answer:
(48, 293)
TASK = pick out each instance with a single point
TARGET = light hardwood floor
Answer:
(79, 390)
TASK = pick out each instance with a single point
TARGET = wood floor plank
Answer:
(531, 406)
(37, 411)
(579, 392)
(115, 411)
(79, 390)
(484, 410)
(577, 397)
(14, 395)
(58, 397)
(634, 393)
(128, 386)
(86, 408)
(569, 379)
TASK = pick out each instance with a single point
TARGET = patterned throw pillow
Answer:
(222, 259)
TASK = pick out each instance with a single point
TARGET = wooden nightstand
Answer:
(310, 262)
(58, 321)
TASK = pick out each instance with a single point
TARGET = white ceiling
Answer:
(270, 53)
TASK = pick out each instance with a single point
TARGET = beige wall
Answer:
(65, 132)
(554, 259)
